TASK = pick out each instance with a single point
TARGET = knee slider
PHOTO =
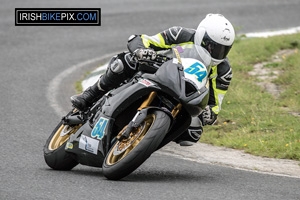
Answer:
(115, 74)
(195, 134)
(116, 65)
(195, 130)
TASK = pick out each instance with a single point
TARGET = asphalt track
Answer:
(31, 57)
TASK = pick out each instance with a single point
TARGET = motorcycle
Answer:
(122, 129)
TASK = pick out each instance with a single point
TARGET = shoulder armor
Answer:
(177, 35)
(175, 31)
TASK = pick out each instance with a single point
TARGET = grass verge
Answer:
(252, 119)
(78, 84)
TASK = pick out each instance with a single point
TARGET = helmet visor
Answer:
(216, 50)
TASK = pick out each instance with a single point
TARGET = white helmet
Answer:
(216, 34)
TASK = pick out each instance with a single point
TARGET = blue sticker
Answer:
(194, 69)
(98, 130)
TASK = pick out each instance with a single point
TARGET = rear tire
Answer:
(54, 150)
(126, 156)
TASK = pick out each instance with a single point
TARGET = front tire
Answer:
(54, 150)
(126, 156)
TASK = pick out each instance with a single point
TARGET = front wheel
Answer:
(54, 150)
(126, 156)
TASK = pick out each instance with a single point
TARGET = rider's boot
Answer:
(88, 97)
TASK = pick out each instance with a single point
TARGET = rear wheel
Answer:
(54, 150)
(126, 156)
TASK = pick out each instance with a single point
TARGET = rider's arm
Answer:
(219, 82)
(163, 40)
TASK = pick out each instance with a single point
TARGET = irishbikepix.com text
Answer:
(58, 16)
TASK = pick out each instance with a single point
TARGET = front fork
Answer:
(151, 97)
(142, 114)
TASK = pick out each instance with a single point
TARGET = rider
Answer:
(215, 33)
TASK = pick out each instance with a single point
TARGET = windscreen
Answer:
(196, 52)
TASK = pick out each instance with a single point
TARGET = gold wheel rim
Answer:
(135, 138)
(57, 140)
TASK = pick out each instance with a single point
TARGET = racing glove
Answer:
(208, 117)
(145, 54)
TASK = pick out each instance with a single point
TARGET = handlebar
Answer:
(159, 60)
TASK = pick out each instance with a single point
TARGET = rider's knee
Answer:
(118, 70)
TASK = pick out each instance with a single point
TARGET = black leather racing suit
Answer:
(120, 69)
